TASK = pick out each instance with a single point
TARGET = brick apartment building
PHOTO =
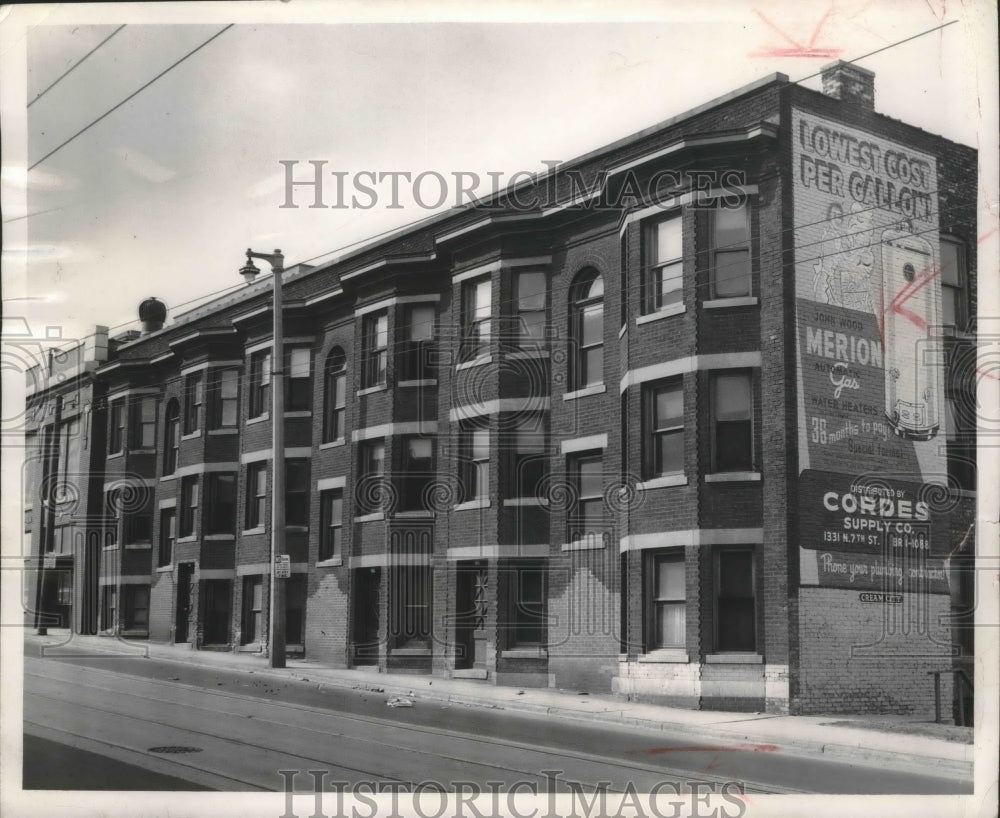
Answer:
(688, 419)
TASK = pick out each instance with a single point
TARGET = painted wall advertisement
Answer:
(872, 496)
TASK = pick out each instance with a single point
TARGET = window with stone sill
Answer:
(477, 315)
(260, 383)
(586, 330)
(662, 283)
(667, 613)
(194, 397)
(732, 421)
(730, 252)
(374, 350)
(664, 424)
(335, 396)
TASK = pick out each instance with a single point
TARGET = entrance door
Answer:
(218, 593)
(367, 583)
(470, 615)
(253, 609)
(185, 573)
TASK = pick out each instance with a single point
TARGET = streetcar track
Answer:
(557, 752)
(387, 723)
(193, 731)
(378, 743)
(167, 762)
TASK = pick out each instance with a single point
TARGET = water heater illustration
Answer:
(910, 309)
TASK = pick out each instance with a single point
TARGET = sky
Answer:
(163, 195)
(165, 192)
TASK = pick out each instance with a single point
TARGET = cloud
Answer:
(22, 179)
(37, 252)
(267, 187)
(145, 167)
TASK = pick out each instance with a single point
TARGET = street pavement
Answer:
(246, 720)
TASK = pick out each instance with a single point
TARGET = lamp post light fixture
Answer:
(276, 608)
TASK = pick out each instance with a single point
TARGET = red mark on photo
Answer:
(810, 49)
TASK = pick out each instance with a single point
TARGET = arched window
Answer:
(171, 436)
(587, 329)
(335, 395)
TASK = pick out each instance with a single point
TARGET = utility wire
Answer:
(558, 291)
(75, 65)
(469, 206)
(880, 50)
(131, 96)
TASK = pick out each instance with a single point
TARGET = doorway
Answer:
(367, 585)
(218, 594)
(470, 615)
(182, 615)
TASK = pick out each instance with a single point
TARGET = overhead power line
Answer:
(131, 96)
(880, 50)
(76, 65)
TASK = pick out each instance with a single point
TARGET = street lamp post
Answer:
(276, 609)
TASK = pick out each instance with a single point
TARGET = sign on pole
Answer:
(282, 566)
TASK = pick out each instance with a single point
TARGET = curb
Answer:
(848, 753)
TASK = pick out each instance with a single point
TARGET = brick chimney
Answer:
(849, 83)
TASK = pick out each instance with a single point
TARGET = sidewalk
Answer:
(896, 741)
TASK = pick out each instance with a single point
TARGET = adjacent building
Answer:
(689, 418)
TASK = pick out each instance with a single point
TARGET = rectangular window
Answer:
(116, 440)
(371, 468)
(256, 494)
(193, 399)
(474, 454)
(375, 350)
(297, 492)
(168, 536)
(189, 505)
(528, 461)
(477, 310)
(225, 390)
(531, 301)
(416, 356)
(260, 383)
(299, 392)
(590, 349)
(144, 423)
(69, 448)
(221, 503)
(527, 594)
(172, 438)
(114, 518)
(735, 612)
(664, 444)
(586, 519)
(953, 313)
(732, 419)
(138, 527)
(731, 252)
(136, 607)
(417, 471)
(335, 396)
(331, 504)
(253, 610)
(668, 625)
(663, 284)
